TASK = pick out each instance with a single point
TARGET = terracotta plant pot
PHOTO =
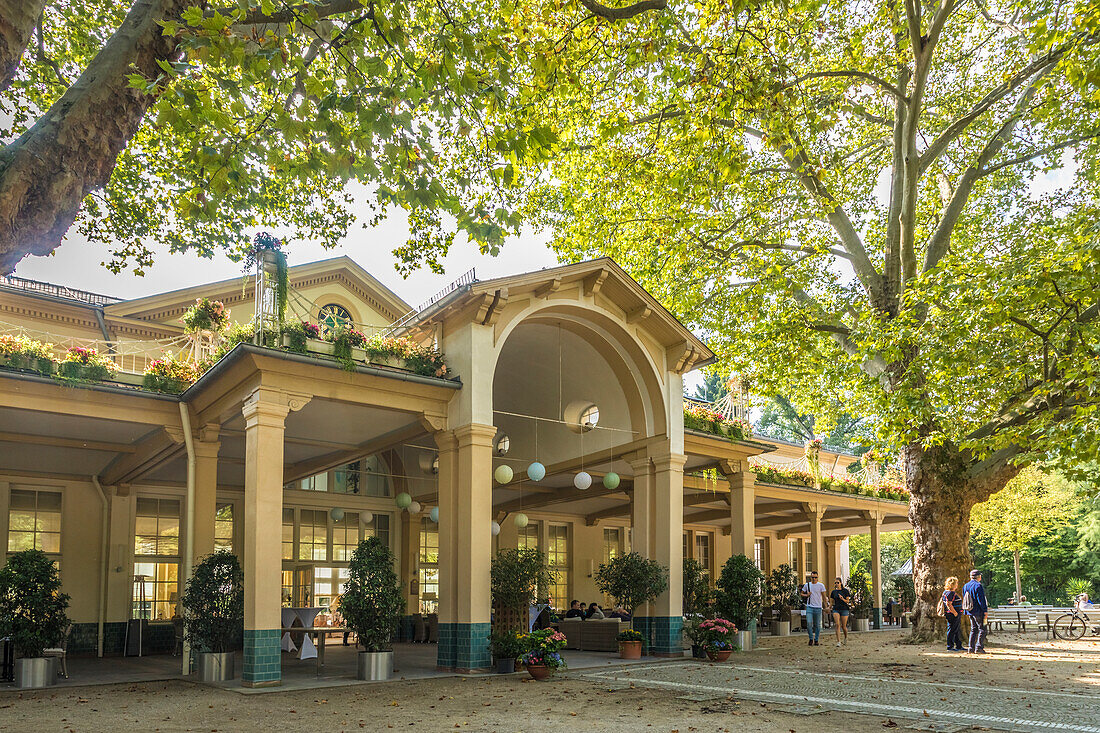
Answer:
(630, 650)
(720, 655)
(538, 671)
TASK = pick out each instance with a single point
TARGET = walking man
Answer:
(976, 607)
(814, 593)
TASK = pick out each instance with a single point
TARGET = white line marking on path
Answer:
(853, 707)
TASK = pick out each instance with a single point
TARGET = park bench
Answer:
(1006, 615)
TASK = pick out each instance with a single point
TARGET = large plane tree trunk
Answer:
(18, 19)
(71, 150)
(942, 492)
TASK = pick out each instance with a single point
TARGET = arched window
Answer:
(333, 315)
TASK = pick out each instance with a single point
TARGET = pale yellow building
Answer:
(576, 367)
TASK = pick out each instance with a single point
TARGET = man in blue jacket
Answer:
(976, 607)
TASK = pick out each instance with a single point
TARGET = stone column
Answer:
(465, 547)
(206, 491)
(876, 570)
(814, 512)
(410, 577)
(642, 509)
(666, 546)
(777, 552)
(264, 416)
(742, 508)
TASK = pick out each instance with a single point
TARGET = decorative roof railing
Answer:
(55, 291)
(468, 278)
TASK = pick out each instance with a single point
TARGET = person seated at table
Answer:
(619, 613)
(1024, 601)
(575, 610)
(594, 612)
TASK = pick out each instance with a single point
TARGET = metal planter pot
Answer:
(375, 666)
(863, 624)
(35, 672)
(506, 666)
(216, 667)
(744, 640)
(781, 628)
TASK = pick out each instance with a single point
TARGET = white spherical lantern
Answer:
(403, 500)
(434, 514)
(336, 513)
(536, 471)
(611, 480)
(582, 480)
(521, 520)
(494, 528)
(503, 474)
(415, 507)
(368, 518)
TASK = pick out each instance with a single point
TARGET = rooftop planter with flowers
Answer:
(791, 477)
(170, 375)
(700, 418)
(205, 315)
(350, 346)
(86, 364)
(21, 352)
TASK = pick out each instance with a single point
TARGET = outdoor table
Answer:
(294, 620)
(321, 632)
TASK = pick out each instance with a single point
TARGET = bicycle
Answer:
(1075, 624)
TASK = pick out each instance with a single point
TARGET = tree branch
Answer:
(289, 13)
(642, 6)
(853, 74)
(1037, 153)
(18, 19)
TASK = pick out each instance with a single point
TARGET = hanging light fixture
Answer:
(434, 514)
(582, 480)
(368, 518)
(536, 471)
(503, 474)
(494, 528)
(415, 507)
(521, 520)
(611, 480)
(403, 500)
(336, 513)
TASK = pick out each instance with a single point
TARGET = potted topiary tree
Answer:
(213, 611)
(632, 580)
(32, 614)
(372, 605)
(518, 578)
(698, 599)
(739, 596)
(782, 590)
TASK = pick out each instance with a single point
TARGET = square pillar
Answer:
(409, 554)
(742, 509)
(666, 545)
(777, 552)
(465, 547)
(264, 416)
(814, 513)
(206, 491)
(876, 570)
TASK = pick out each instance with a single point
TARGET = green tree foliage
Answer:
(739, 592)
(780, 418)
(632, 580)
(896, 547)
(372, 603)
(698, 595)
(712, 389)
(781, 588)
(32, 606)
(213, 603)
(852, 200)
(518, 578)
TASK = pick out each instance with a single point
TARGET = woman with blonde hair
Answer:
(951, 606)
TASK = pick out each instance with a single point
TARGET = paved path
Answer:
(941, 706)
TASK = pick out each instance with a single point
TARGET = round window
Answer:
(581, 416)
(503, 444)
(590, 417)
(331, 316)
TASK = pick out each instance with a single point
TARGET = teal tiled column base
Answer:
(664, 634)
(464, 647)
(263, 664)
(876, 618)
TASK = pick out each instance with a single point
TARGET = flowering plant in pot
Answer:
(719, 638)
(543, 655)
(86, 364)
(297, 333)
(170, 375)
(506, 647)
(21, 352)
(630, 644)
(205, 315)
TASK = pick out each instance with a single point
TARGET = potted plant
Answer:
(213, 611)
(86, 364)
(170, 375)
(517, 578)
(21, 352)
(739, 596)
(861, 600)
(205, 317)
(632, 580)
(782, 589)
(373, 605)
(630, 644)
(543, 656)
(32, 614)
(697, 601)
(506, 647)
(297, 334)
(719, 638)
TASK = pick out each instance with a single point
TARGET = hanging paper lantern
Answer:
(434, 514)
(336, 513)
(403, 500)
(368, 518)
(536, 471)
(415, 507)
(582, 480)
(494, 528)
(503, 474)
(611, 480)
(521, 520)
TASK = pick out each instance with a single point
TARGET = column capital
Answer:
(207, 448)
(475, 434)
(729, 466)
(669, 461)
(209, 432)
(639, 461)
(813, 510)
(874, 517)
(445, 440)
(268, 402)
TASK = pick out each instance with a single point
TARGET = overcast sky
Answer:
(77, 263)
